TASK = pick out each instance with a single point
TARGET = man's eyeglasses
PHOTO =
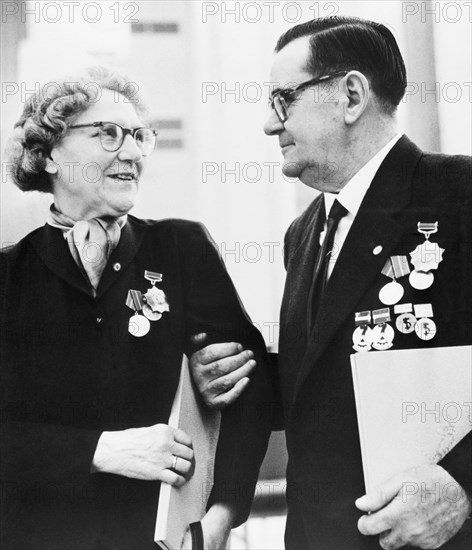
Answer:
(112, 136)
(281, 100)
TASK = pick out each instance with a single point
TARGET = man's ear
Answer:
(357, 93)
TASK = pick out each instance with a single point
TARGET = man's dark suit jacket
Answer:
(325, 471)
(70, 370)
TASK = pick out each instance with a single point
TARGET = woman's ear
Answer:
(357, 93)
(51, 167)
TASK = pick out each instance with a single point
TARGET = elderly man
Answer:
(338, 82)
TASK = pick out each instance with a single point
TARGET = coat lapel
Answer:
(131, 238)
(357, 267)
(53, 250)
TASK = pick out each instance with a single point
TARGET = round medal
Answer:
(405, 323)
(421, 280)
(150, 314)
(425, 329)
(139, 325)
(391, 293)
(362, 338)
(383, 336)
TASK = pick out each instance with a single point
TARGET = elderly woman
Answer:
(97, 308)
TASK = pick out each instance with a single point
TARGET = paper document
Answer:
(413, 407)
(180, 506)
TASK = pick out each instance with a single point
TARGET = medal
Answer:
(382, 334)
(392, 292)
(150, 314)
(362, 336)
(138, 324)
(421, 280)
(406, 321)
(426, 257)
(155, 301)
(425, 328)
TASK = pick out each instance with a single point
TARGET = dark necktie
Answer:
(323, 258)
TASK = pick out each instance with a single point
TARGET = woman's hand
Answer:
(146, 453)
(216, 525)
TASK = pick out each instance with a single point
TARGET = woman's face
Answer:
(91, 182)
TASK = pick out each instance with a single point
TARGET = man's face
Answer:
(311, 139)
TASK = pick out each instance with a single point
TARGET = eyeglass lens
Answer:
(112, 137)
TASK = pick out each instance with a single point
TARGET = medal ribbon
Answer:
(153, 277)
(403, 308)
(427, 229)
(362, 318)
(134, 300)
(423, 310)
(381, 316)
(396, 267)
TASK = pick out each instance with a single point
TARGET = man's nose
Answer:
(273, 126)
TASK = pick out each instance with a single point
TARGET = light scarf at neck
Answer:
(91, 242)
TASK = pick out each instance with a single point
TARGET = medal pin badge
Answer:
(155, 301)
(394, 268)
(426, 257)
(138, 324)
(383, 334)
(362, 336)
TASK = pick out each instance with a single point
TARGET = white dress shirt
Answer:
(351, 197)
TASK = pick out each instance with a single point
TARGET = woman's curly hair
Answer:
(47, 116)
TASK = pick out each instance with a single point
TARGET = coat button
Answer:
(377, 250)
(117, 266)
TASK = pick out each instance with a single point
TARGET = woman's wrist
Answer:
(217, 524)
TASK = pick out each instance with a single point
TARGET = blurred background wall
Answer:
(205, 67)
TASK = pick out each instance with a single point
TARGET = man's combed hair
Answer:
(351, 43)
(48, 114)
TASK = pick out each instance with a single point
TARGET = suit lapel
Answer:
(357, 267)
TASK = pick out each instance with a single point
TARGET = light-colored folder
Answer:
(180, 506)
(413, 407)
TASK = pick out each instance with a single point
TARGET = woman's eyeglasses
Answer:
(281, 100)
(112, 136)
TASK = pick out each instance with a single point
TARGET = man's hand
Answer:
(221, 371)
(423, 507)
(146, 453)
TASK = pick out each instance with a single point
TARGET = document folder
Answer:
(180, 506)
(413, 407)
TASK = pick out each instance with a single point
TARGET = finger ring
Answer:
(174, 462)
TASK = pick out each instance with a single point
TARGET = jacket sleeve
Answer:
(35, 455)
(458, 462)
(213, 306)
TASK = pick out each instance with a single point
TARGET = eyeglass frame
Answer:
(126, 131)
(294, 91)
